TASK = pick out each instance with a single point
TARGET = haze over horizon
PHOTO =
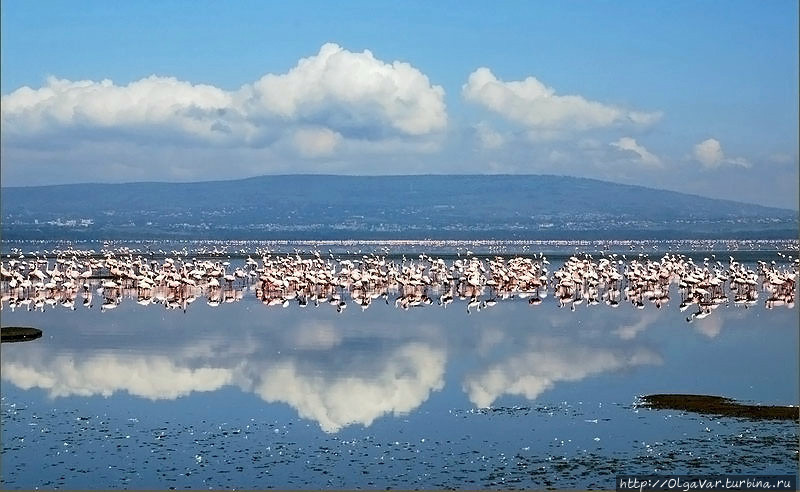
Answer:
(699, 97)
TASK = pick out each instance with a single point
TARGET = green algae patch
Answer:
(719, 405)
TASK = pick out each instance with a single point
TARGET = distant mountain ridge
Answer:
(381, 207)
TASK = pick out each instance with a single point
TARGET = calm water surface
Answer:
(514, 396)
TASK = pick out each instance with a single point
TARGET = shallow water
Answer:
(515, 396)
(745, 249)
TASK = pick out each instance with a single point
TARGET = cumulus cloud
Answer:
(155, 377)
(154, 103)
(334, 95)
(488, 137)
(318, 374)
(629, 144)
(348, 90)
(546, 362)
(536, 106)
(710, 155)
(316, 142)
(400, 383)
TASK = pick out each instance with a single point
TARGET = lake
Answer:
(513, 395)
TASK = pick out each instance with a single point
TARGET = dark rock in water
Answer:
(19, 333)
(719, 405)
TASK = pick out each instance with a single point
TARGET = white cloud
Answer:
(352, 387)
(404, 379)
(548, 361)
(155, 377)
(154, 103)
(643, 118)
(645, 157)
(333, 95)
(534, 105)
(710, 155)
(488, 137)
(315, 142)
(345, 89)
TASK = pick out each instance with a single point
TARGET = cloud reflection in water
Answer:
(155, 377)
(340, 371)
(399, 382)
(545, 361)
(312, 366)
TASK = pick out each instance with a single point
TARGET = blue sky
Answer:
(696, 96)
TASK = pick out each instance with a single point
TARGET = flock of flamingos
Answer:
(84, 278)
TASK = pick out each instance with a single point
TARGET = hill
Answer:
(381, 207)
